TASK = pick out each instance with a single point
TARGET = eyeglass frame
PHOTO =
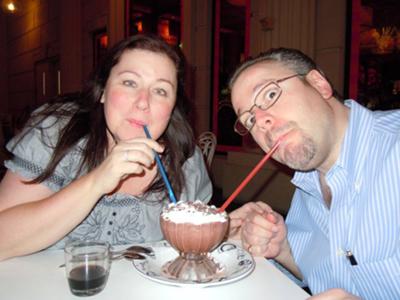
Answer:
(262, 88)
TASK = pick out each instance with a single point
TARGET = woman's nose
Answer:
(143, 99)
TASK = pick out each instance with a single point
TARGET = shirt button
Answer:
(340, 252)
(109, 232)
(114, 213)
(110, 222)
(357, 186)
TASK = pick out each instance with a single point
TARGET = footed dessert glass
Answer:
(194, 229)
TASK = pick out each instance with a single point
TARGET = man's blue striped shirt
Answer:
(364, 216)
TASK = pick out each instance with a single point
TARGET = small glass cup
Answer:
(87, 265)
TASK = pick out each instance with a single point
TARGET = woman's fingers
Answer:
(141, 151)
(154, 145)
(137, 157)
(133, 157)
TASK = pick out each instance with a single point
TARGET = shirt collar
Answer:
(349, 162)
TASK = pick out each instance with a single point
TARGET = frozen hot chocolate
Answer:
(193, 229)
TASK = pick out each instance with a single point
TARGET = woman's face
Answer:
(141, 90)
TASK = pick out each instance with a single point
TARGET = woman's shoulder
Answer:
(46, 123)
(50, 115)
(196, 158)
(195, 164)
(33, 148)
(197, 181)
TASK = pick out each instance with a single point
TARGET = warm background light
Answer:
(11, 7)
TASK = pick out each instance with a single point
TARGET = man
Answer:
(342, 234)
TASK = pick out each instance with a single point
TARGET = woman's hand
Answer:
(132, 157)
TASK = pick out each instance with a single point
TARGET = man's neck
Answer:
(339, 127)
(326, 191)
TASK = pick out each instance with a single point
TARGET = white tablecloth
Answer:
(38, 277)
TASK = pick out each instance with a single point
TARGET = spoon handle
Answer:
(134, 249)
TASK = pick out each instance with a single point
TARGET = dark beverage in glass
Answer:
(87, 265)
(87, 280)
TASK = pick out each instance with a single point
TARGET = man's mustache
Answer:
(272, 136)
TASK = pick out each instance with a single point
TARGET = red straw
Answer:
(249, 177)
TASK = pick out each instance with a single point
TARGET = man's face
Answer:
(300, 117)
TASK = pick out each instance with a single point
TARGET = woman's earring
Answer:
(102, 98)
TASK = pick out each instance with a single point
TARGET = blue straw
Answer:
(162, 170)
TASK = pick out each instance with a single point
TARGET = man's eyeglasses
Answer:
(266, 96)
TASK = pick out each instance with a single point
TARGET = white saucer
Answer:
(237, 262)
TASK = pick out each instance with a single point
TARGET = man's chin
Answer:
(299, 164)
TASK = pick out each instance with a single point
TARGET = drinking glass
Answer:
(194, 242)
(87, 265)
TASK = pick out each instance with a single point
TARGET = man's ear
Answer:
(320, 83)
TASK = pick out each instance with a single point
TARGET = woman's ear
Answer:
(320, 83)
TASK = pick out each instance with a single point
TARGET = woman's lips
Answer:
(136, 123)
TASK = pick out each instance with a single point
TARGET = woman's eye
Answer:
(161, 92)
(130, 83)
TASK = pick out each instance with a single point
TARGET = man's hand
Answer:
(265, 234)
(262, 231)
(238, 216)
(334, 294)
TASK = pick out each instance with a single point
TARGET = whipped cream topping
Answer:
(193, 212)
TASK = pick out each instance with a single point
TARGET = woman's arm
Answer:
(33, 217)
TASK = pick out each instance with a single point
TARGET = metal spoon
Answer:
(130, 253)
(129, 256)
(134, 249)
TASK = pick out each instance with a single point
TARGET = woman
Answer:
(85, 170)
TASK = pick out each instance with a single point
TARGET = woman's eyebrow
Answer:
(128, 71)
(166, 81)
(137, 74)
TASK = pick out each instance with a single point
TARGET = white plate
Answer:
(237, 262)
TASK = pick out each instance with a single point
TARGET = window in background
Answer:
(231, 45)
(47, 79)
(100, 45)
(374, 60)
(161, 17)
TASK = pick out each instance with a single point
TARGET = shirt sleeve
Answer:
(197, 182)
(32, 150)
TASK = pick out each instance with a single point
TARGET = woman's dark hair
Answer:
(87, 120)
(293, 59)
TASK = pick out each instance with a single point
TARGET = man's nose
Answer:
(264, 120)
